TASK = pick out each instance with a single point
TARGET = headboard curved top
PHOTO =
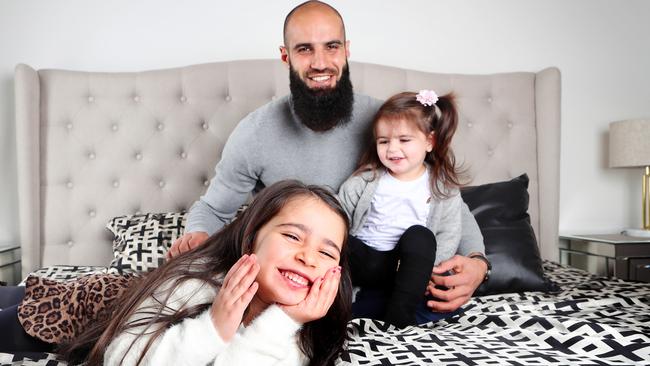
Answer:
(94, 145)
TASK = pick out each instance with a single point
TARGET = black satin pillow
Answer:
(501, 211)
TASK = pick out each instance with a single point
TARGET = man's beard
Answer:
(322, 109)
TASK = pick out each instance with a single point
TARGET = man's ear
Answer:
(347, 49)
(284, 56)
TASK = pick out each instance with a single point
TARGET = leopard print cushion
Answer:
(55, 311)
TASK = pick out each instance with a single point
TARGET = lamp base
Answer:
(639, 233)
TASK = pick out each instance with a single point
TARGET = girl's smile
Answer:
(296, 279)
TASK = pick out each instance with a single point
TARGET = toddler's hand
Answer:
(319, 299)
(236, 293)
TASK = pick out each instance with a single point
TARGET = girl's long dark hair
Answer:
(320, 340)
(440, 118)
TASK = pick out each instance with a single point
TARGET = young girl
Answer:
(267, 289)
(404, 205)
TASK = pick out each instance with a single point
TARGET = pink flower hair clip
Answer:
(427, 97)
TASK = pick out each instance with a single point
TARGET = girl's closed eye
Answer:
(291, 236)
(328, 254)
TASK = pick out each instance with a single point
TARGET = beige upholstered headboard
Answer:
(93, 145)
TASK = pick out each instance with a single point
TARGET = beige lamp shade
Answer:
(629, 143)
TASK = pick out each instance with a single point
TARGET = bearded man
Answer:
(316, 135)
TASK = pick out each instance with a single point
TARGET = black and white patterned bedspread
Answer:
(592, 321)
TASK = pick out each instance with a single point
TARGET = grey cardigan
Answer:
(447, 218)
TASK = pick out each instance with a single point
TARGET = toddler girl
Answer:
(404, 203)
(267, 289)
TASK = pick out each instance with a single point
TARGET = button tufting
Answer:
(91, 99)
(205, 125)
(70, 243)
(116, 183)
(183, 99)
(490, 152)
(470, 124)
(114, 127)
(183, 155)
(160, 126)
(92, 213)
(136, 98)
(228, 98)
(489, 99)
(138, 156)
(68, 125)
(69, 185)
(206, 182)
(509, 124)
(137, 212)
(161, 184)
(91, 156)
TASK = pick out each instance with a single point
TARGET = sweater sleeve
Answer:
(449, 227)
(349, 195)
(471, 239)
(235, 178)
(270, 339)
(193, 341)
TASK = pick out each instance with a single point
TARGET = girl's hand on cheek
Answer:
(236, 293)
(319, 299)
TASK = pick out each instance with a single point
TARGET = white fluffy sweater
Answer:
(270, 339)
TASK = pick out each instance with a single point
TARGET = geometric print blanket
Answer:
(591, 321)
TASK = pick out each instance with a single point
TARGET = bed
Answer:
(132, 151)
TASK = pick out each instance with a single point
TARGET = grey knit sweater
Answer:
(271, 144)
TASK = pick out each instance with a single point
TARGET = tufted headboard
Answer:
(92, 145)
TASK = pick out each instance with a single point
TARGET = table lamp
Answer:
(629, 146)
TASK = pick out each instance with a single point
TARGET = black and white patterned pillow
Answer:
(141, 241)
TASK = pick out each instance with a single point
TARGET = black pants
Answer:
(13, 338)
(393, 282)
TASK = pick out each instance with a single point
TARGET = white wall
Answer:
(602, 48)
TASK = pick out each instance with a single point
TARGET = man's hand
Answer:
(186, 243)
(236, 293)
(319, 299)
(468, 276)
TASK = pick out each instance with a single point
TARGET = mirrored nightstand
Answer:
(622, 256)
(9, 264)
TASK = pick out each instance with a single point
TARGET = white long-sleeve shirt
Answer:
(270, 339)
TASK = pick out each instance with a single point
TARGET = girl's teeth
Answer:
(296, 278)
